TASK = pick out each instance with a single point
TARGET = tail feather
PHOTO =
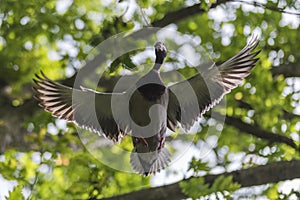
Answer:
(150, 163)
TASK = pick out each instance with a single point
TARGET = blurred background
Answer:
(42, 157)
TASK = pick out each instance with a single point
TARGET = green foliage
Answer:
(16, 194)
(56, 165)
(198, 165)
(196, 187)
(206, 4)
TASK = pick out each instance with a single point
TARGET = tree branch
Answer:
(178, 15)
(270, 173)
(290, 70)
(257, 131)
(264, 6)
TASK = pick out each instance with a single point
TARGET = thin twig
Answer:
(264, 6)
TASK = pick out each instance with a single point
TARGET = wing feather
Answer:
(75, 105)
(190, 98)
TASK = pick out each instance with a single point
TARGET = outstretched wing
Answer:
(86, 108)
(191, 98)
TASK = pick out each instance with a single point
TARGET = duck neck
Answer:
(159, 59)
(158, 62)
(157, 66)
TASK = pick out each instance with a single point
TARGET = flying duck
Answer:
(148, 107)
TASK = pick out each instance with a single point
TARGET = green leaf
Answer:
(198, 165)
(16, 193)
(196, 187)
